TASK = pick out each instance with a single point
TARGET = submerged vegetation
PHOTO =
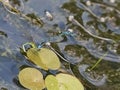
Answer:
(30, 17)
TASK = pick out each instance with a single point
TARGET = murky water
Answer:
(96, 29)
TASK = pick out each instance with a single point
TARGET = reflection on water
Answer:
(95, 23)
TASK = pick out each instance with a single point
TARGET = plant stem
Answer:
(98, 62)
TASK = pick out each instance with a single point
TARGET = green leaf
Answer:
(31, 78)
(51, 83)
(44, 58)
(63, 82)
(49, 58)
(33, 56)
(69, 82)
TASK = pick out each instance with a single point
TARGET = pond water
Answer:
(96, 30)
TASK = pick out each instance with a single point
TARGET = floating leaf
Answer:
(69, 82)
(33, 55)
(49, 58)
(44, 58)
(63, 82)
(31, 78)
(51, 82)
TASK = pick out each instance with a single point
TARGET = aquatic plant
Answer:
(42, 57)
(34, 19)
(97, 62)
(63, 82)
(31, 78)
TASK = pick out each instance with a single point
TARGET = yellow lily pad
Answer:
(33, 55)
(31, 78)
(69, 82)
(44, 58)
(63, 82)
(49, 58)
(51, 83)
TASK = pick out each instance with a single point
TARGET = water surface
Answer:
(82, 50)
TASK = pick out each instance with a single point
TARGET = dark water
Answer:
(96, 29)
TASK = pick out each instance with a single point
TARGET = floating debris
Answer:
(88, 3)
(48, 15)
(102, 19)
(71, 18)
